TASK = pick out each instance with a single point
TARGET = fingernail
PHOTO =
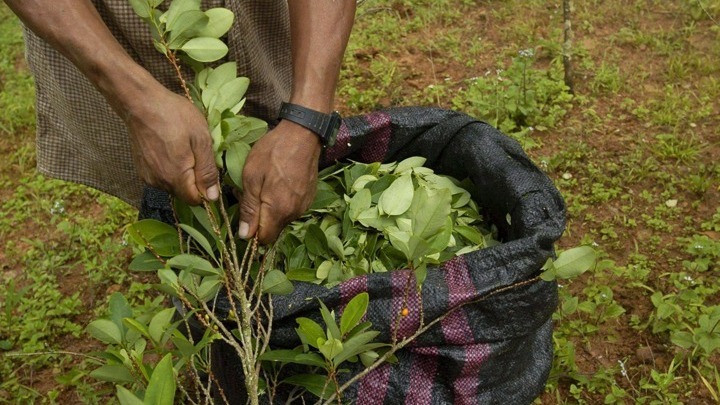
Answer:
(243, 231)
(213, 193)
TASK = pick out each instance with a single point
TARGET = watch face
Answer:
(333, 129)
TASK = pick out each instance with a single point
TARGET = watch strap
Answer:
(315, 121)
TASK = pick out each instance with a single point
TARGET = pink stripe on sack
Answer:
(455, 326)
(461, 288)
(407, 324)
(373, 386)
(456, 330)
(423, 371)
(376, 146)
(349, 289)
(466, 384)
(341, 147)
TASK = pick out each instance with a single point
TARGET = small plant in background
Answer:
(519, 99)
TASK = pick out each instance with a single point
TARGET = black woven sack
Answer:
(494, 344)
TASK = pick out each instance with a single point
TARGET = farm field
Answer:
(633, 149)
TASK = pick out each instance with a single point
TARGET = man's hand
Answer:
(169, 136)
(280, 174)
(279, 181)
(172, 146)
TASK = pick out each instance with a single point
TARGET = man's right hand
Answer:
(169, 136)
(172, 147)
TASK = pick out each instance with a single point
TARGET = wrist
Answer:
(130, 91)
(297, 134)
(314, 100)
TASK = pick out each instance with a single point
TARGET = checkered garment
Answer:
(81, 139)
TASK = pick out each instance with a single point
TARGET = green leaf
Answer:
(119, 308)
(377, 188)
(160, 47)
(141, 8)
(310, 330)
(201, 216)
(573, 262)
(199, 238)
(231, 93)
(194, 264)
(401, 241)
(315, 241)
(301, 274)
(105, 331)
(318, 385)
(369, 357)
(470, 233)
(430, 210)
(205, 49)
(441, 240)
(221, 20)
(356, 345)
(281, 355)
(362, 181)
(294, 356)
(323, 270)
(396, 199)
(329, 318)
(245, 129)
(161, 237)
(176, 9)
(276, 282)
(160, 323)
(145, 261)
(161, 388)
(209, 288)
(325, 196)
(331, 348)
(133, 324)
(126, 397)
(359, 203)
(410, 163)
(186, 26)
(709, 342)
(548, 273)
(570, 305)
(420, 273)
(235, 158)
(114, 373)
(221, 75)
(354, 312)
(168, 277)
(336, 246)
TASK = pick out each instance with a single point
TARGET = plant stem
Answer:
(567, 45)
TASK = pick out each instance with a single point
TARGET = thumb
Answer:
(249, 212)
(206, 173)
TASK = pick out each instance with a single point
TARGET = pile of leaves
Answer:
(380, 217)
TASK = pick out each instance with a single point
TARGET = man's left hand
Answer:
(279, 181)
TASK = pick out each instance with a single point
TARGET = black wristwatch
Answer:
(325, 126)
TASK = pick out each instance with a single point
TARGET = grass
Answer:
(61, 252)
(633, 152)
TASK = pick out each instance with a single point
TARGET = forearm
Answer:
(76, 30)
(320, 30)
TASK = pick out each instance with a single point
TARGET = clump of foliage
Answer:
(519, 99)
(380, 217)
